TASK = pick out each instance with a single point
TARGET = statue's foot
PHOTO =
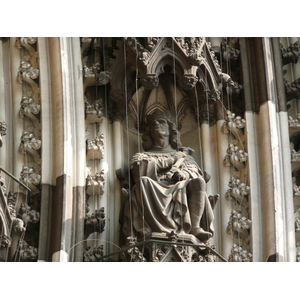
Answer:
(202, 235)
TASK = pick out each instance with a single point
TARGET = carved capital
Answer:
(95, 148)
(188, 81)
(95, 184)
(149, 81)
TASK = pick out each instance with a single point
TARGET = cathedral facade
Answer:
(75, 122)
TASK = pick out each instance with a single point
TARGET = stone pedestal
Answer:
(163, 247)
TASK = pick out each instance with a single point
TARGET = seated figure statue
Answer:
(169, 192)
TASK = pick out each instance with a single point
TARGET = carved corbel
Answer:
(95, 148)
(238, 254)
(149, 81)
(26, 252)
(94, 222)
(290, 54)
(292, 89)
(3, 127)
(238, 190)
(31, 145)
(188, 81)
(94, 112)
(26, 42)
(31, 179)
(95, 184)
(239, 224)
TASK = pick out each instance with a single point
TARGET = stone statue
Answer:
(169, 192)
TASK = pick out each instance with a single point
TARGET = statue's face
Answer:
(159, 127)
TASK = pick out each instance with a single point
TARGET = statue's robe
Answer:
(159, 204)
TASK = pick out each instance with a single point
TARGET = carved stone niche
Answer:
(159, 250)
(95, 184)
(95, 148)
(94, 222)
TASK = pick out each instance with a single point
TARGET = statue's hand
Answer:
(179, 176)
